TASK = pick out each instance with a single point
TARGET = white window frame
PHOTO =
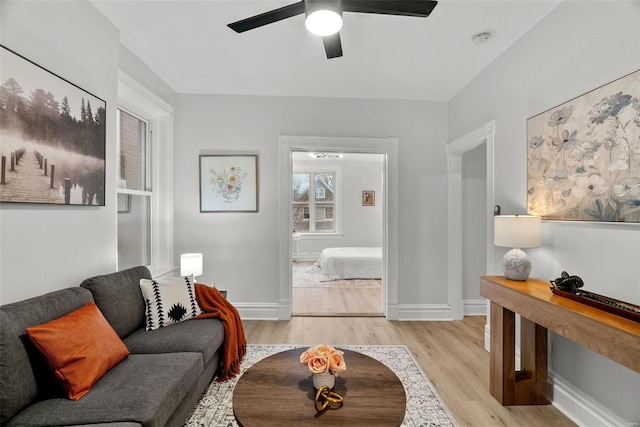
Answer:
(147, 191)
(139, 101)
(305, 167)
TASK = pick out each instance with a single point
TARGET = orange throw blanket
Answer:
(234, 346)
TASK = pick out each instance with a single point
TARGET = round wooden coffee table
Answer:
(278, 391)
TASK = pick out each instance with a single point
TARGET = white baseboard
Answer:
(257, 311)
(424, 312)
(284, 310)
(579, 407)
(440, 311)
(475, 307)
(392, 310)
(306, 256)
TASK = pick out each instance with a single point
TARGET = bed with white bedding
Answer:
(351, 263)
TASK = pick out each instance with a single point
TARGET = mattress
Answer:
(351, 263)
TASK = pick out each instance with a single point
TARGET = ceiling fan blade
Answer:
(332, 46)
(419, 8)
(268, 17)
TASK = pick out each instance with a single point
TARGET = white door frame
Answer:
(455, 150)
(385, 146)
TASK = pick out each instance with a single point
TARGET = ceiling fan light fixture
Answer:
(323, 21)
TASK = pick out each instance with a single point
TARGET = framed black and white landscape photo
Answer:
(52, 137)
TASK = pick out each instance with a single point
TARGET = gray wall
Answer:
(240, 249)
(576, 48)
(132, 65)
(48, 247)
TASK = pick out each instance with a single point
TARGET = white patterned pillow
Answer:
(169, 301)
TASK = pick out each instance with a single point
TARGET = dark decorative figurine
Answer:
(569, 287)
(568, 283)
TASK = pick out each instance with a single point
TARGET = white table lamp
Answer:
(517, 232)
(191, 264)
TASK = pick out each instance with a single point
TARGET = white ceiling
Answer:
(188, 44)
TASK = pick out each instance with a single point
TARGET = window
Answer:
(315, 200)
(145, 196)
(134, 191)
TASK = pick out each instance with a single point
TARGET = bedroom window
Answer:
(314, 201)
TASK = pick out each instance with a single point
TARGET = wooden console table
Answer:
(612, 336)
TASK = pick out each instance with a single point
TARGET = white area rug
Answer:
(306, 274)
(424, 406)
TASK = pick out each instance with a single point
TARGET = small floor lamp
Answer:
(191, 264)
(517, 232)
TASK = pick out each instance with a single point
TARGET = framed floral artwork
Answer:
(228, 183)
(583, 157)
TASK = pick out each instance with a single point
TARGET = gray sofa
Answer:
(158, 384)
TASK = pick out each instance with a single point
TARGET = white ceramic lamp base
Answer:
(516, 265)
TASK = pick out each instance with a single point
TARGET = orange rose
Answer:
(318, 365)
(336, 362)
(323, 358)
(323, 351)
(304, 357)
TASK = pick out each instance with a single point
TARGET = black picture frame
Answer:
(53, 135)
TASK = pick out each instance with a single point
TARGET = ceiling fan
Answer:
(324, 17)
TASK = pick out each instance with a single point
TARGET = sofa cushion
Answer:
(80, 348)
(25, 374)
(144, 388)
(168, 301)
(118, 297)
(201, 335)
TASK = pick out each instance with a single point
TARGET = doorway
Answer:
(483, 136)
(388, 147)
(337, 201)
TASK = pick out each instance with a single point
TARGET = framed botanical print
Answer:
(228, 183)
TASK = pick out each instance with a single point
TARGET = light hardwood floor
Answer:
(451, 354)
(336, 301)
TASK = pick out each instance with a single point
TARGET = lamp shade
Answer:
(191, 264)
(517, 231)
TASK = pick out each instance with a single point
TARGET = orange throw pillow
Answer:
(80, 348)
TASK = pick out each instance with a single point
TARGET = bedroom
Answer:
(340, 218)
